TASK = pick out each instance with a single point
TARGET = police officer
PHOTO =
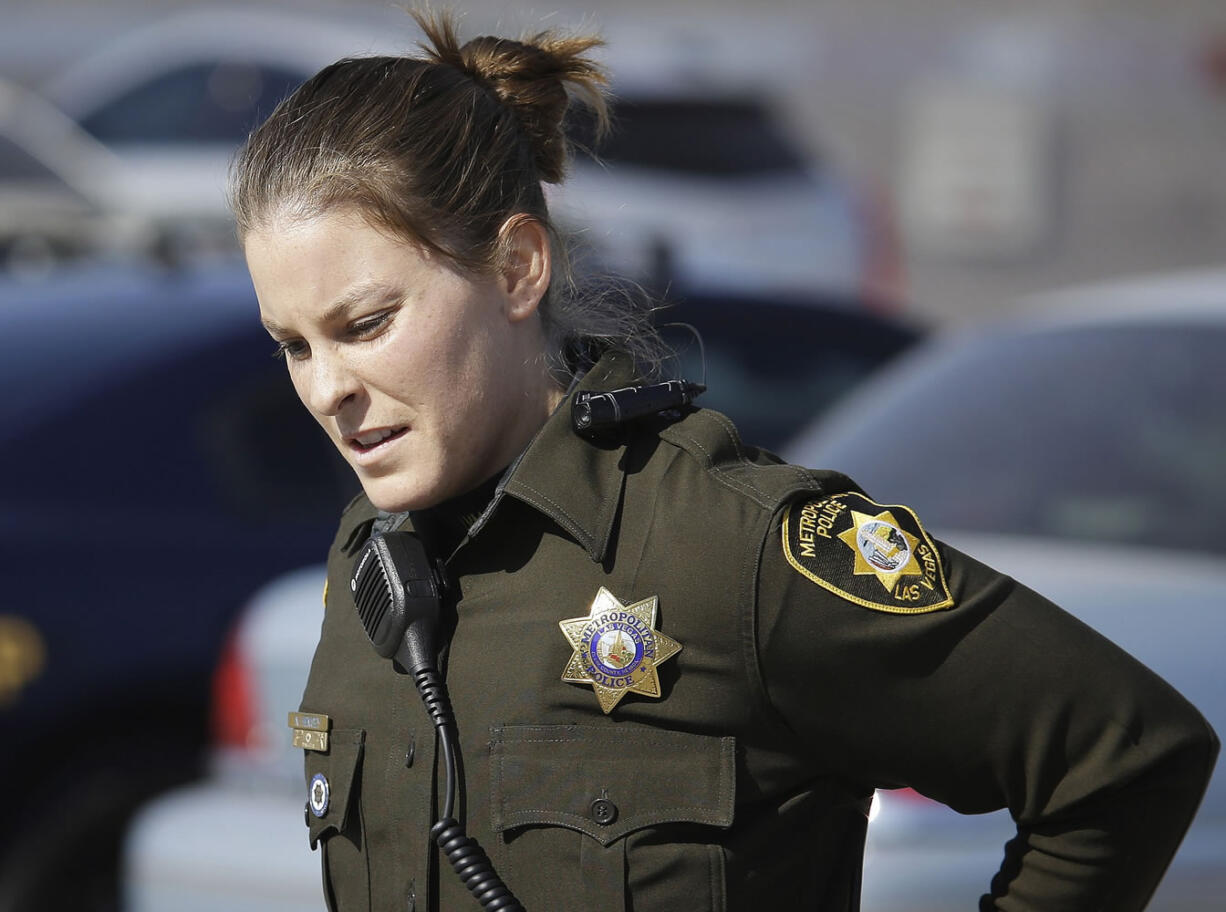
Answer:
(679, 668)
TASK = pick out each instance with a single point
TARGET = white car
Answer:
(701, 184)
(172, 100)
(1080, 448)
(706, 183)
(707, 189)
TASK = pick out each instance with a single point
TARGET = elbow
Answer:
(1208, 746)
(1192, 754)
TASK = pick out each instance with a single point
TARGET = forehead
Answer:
(285, 234)
(307, 264)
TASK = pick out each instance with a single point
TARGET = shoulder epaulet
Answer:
(875, 555)
(711, 438)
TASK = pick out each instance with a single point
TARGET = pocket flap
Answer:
(609, 781)
(328, 801)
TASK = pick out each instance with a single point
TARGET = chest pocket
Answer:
(606, 818)
(334, 818)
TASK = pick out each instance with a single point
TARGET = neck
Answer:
(529, 407)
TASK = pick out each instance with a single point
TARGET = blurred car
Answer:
(1081, 450)
(705, 182)
(172, 100)
(243, 825)
(54, 182)
(707, 188)
(752, 346)
(236, 841)
(699, 184)
(155, 469)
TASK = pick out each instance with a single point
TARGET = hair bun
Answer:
(535, 77)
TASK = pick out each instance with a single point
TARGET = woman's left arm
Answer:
(1000, 699)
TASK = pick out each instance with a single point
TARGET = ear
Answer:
(527, 265)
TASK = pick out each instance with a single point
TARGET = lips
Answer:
(366, 441)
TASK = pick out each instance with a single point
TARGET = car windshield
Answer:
(726, 138)
(1108, 434)
(216, 101)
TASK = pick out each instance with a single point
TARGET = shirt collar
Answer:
(575, 481)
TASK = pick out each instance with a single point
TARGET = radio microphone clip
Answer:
(593, 412)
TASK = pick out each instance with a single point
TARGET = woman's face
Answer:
(428, 381)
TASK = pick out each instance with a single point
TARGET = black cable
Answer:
(464, 853)
(468, 859)
(434, 694)
(397, 596)
(702, 349)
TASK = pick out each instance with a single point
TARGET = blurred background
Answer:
(1020, 148)
(979, 244)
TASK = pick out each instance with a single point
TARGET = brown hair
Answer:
(440, 150)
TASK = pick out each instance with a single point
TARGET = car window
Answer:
(1108, 434)
(771, 364)
(711, 138)
(218, 101)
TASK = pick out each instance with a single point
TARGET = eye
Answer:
(369, 327)
(291, 349)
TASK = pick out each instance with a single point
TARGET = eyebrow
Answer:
(360, 293)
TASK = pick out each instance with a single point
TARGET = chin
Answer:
(391, 502)
(391, 497)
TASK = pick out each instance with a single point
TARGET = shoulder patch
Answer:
(874, 555)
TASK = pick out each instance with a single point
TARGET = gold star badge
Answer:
(882, 547)
(617, 649)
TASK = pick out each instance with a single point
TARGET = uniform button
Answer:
(604, 811)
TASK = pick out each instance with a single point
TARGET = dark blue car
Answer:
(155, 468)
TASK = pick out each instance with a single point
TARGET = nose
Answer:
(330, 383)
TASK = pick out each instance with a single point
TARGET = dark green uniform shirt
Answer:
(828, 647)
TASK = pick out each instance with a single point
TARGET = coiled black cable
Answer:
(434, 694)
(473, 867)
(463, 852)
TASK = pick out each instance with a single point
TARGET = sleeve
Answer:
(898, 661)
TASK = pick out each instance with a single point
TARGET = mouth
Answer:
(369, 441)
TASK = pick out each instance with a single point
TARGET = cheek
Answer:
(437, 367)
